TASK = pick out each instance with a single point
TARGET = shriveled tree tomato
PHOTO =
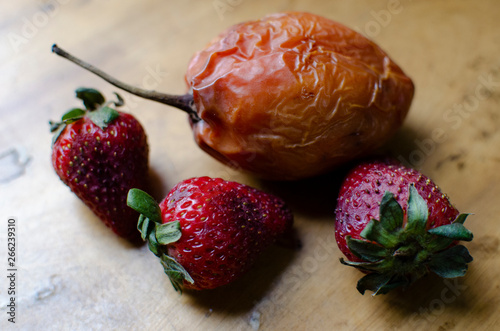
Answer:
(294, 95)
(287, 97)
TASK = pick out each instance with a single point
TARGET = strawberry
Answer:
(394, 224)
(100, 153)
(208, 231)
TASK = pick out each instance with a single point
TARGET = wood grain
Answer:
(75, 274)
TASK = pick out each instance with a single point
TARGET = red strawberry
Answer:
(394, 224)
(101, 153)
(208, 232)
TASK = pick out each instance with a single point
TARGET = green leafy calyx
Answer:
(396, 254)
(96, 109)
(158, 235)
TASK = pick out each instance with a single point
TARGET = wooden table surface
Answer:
(74, 274)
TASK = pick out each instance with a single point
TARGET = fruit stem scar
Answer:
(184, 102)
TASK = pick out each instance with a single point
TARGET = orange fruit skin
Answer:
(294, 95)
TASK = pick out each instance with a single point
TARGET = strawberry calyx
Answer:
(396, 253)
(96, 109)
(91, 97)
(158, 235)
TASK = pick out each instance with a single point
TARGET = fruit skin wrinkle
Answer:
(294, 95)
(287, 97)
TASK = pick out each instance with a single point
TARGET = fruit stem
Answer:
(184, 102)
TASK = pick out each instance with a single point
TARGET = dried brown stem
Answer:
(184, 102)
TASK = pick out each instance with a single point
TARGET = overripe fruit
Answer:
(101, 153)
(289, 96)
(395, 224)
(207, 231)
